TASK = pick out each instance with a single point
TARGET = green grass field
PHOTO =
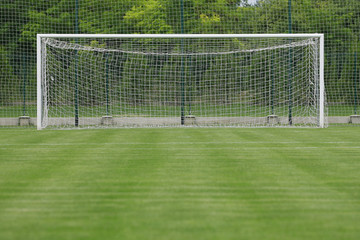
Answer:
(180, 184)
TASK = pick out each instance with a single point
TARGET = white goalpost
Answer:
(174, 80)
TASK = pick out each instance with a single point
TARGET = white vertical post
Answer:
(322, 84)
(39, 94)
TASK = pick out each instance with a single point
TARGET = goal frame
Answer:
(184, 36)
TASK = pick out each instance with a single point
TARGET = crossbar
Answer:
(302, 35)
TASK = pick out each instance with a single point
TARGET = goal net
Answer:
(180, 80)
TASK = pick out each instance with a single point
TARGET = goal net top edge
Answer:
(55, 43)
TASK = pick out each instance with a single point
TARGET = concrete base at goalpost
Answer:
(355, 119)
(24, 121)
(107, 120)
(272, 120)
(190, 120)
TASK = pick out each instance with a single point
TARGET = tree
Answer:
(105, 16)
(148, 17)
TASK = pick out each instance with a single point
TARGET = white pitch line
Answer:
(167, 143)
(216, 148)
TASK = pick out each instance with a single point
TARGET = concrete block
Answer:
(107, 120)
(190, 120)
(272, 120)
(355, 119)
(24, 121)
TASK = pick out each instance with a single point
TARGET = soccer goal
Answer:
(171, 80)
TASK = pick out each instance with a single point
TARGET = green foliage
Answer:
(148, 17)
(8, 81)
(58, 17)
(109, 18)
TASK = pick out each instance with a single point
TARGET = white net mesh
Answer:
(152, 82)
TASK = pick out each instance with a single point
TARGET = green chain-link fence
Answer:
(21, 20)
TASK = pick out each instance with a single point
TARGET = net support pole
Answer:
(182, 67)
(76, 90)
(290, 16)
(24, 68)
(76, 16)
(190, 83)
(272, 84)
(182, 85)
(355, 84)
(107, 83)
(290, 83)
(290, 67)
(76, 66)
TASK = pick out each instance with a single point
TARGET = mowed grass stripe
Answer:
(214, 184)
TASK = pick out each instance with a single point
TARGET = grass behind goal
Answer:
(180, 184)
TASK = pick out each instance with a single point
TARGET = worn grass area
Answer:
(180, 184)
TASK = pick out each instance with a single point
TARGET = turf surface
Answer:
(180, 184)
